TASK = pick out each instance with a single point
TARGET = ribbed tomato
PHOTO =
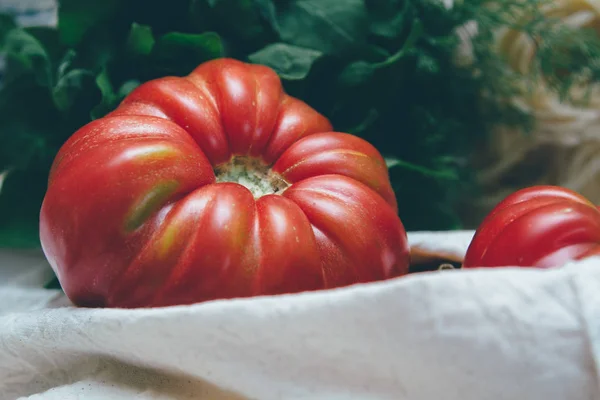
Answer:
(217, 185)
(540, 226)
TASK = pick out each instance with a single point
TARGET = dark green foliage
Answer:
(382, 69)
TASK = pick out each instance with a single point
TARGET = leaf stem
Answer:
(415, 34)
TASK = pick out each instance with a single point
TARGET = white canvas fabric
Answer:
(501, 334)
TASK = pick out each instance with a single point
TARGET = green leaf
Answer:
(70, 87)
(371, 117)
(25, 54)
(428, 64)
(140, 40)
(357, 73)
(104, 84)
(242, 21)
(392, 162)
(361, 72)
(7, 23)
(329, 26)
(110, 98)
(77, 17)
(27, 123)
(388, 17)
(267, 10)
(127, 88)
(179, 53)
(3, 175)
(290, 62)
(20, 203)
(66, 63)
(49, 39)
(108, 94)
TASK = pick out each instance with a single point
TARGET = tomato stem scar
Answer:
(253, 174)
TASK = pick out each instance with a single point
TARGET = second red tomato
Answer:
(540, 226)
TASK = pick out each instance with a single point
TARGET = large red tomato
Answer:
(217, 185)
(540, 226)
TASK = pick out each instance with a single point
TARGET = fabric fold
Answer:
(500, 334)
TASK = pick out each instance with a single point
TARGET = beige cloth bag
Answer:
(496, 334)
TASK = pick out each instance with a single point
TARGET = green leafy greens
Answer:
(382, 69)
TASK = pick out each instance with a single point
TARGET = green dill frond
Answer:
(564, 56)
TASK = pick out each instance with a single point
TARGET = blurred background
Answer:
(468, 101)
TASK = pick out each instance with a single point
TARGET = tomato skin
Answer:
(135, 215)
(540, 226)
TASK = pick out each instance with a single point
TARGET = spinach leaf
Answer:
(290, 62)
